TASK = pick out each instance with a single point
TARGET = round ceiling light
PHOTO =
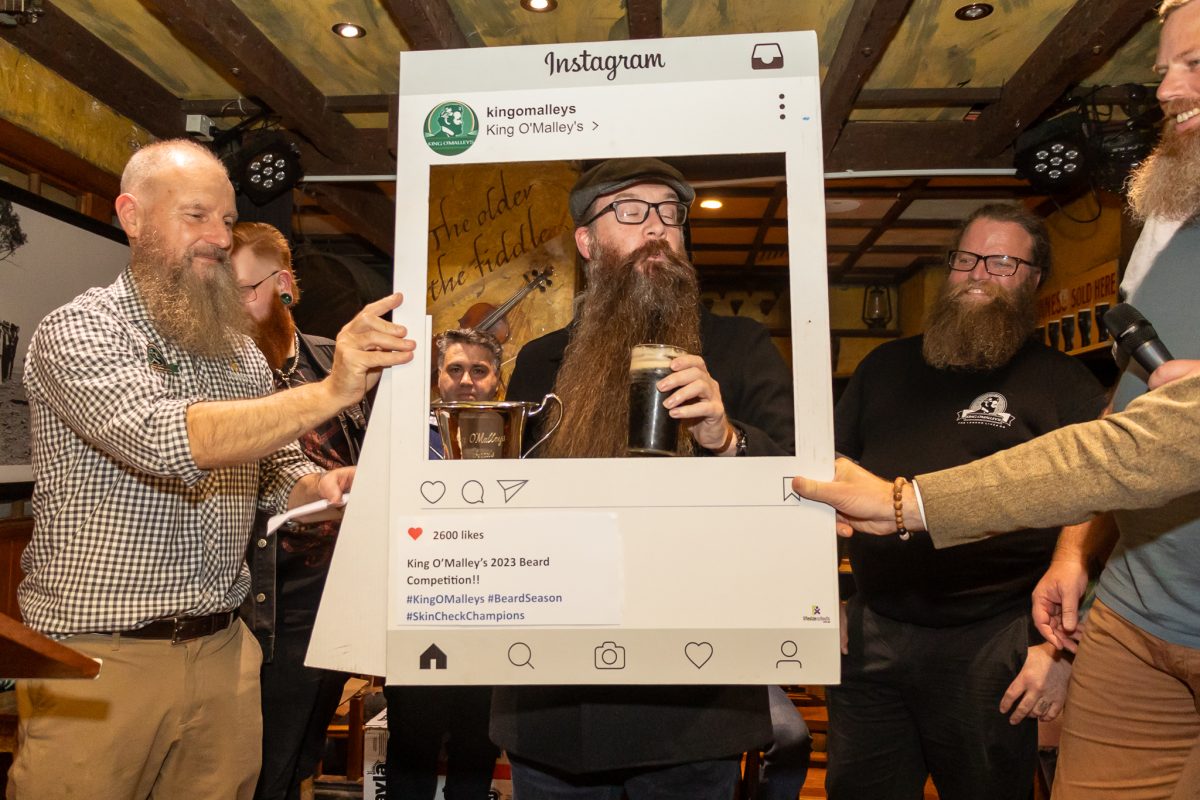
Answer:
(539, 6)
(711, 203)
(841, 205)
(974, 11)
(348, 30)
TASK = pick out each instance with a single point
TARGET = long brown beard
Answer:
(978, 336)
(197, 314)
(1167, 183)
(275, 335)
(628, 301)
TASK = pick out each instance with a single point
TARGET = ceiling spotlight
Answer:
(539, 6)
(348, 30)
(841, 205)
(1053, 156)
(974, 11)
(265, 167)
(711, 203)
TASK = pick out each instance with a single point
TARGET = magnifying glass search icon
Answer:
(519, 655)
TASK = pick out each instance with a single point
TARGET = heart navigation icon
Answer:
(698, 653)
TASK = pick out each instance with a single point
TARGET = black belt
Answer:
(182, 629)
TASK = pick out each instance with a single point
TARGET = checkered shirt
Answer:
(127, 529)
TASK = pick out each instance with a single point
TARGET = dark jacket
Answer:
(756, 386)
(583, 729)
(260, 609)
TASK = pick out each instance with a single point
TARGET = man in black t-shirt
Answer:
(943, 672)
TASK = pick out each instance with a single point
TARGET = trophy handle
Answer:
(557, 422)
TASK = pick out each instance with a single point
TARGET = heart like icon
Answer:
(698, 653)
(415, 533)
(433, 491)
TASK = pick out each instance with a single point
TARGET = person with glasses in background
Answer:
(943, 672)
(288, 567)
(733, 394)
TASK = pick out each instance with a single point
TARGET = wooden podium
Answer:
(25, 653)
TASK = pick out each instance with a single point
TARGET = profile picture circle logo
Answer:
(451, 128)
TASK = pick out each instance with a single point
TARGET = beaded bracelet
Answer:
(898, 505)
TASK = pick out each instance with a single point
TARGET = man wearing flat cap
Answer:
(733, 396)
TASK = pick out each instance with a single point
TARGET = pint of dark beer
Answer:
(652, 430)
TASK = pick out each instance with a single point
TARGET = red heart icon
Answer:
(415, 533)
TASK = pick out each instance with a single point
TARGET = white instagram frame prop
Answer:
(638, 571)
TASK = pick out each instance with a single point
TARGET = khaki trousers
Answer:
(161, 721)
(1131, 729)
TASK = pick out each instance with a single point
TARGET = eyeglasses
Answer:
(1001, 266)
(634, 212)
(250, 291)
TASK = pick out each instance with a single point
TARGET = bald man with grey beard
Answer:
(155, 439)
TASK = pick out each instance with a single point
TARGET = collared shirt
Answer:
(127, 529)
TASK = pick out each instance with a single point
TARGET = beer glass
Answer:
(652, 430)
(1068, 333)
(1085, 327)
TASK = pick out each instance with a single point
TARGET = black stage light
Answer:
(1121, 145)
(265, 166)
(1053, 156)
(20, 12)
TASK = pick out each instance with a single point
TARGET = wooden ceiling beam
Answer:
(645, 18)
(970, 96)
(867, 98)
(426, 24)
(372, 156)
(735, 222)
(866, 33)
(221, 32)
(866, 146)
(1081, 42)
(760, 236)
(363, 207)
(903, 201)
(886, 249)
(938, 192)
(243, 107)
(66, 47)
(927, 98)
(31, 153)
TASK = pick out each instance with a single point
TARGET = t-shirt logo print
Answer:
(987, 409)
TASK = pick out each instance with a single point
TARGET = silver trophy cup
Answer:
(489, 428)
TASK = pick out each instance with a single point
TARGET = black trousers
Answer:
(917, 701)
(297, 705)
(418, 718)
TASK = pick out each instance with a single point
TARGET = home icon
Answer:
(433, 658)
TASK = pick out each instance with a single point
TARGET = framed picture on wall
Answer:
(48, 254)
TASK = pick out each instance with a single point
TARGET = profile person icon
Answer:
(789, 650)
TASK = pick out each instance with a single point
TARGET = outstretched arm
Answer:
(227, 432)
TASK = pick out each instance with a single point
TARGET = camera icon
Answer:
(610, 655)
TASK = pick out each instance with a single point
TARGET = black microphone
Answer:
(1136, 337)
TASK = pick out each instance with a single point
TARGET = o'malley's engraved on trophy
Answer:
(490, 428)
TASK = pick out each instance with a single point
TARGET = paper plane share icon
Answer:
(510, 488)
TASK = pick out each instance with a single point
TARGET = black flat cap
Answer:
(618, 173)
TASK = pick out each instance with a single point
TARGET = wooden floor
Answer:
(814, 784)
